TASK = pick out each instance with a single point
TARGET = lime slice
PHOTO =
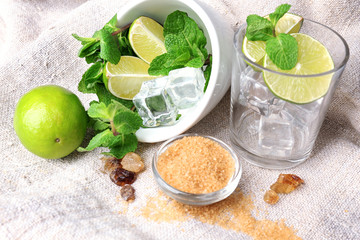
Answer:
(146, 38)
(313, 58)
(255, 50)
(289, 23)
(124, 79)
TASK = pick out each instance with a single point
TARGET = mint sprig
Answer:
(185, 45)
(281, 49)
(117, 125)
(110, 117)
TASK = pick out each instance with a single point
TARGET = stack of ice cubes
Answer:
(159, 100)
(283, 127)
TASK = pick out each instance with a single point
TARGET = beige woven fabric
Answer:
(70, 199)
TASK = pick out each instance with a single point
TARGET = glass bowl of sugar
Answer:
(196, 170)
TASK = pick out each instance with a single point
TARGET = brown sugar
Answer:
(233, 213)
(286, 183)
(196, 165)
(271, 197)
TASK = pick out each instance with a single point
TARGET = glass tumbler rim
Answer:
(335, 69)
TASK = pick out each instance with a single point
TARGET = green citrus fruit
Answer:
(50, 121)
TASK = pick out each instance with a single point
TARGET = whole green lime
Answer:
(50, 121)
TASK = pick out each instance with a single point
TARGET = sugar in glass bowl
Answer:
(219, 43)
(197, 199)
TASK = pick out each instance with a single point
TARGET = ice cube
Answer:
(255, 95)
(185, 86)
(154, 105)
(301, 114)
(275, 135)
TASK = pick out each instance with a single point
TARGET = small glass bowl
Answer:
(197, 199)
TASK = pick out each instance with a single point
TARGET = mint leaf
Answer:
(101, 111)
(92, 76)
(95, 71)
(83, 40)
(185, 45)
(258, 28)
(279, 13)
(95, 57)
(98, 125)
(124, 44)
(188, 34)
(163, 64)
(129, 144)
(105, 112)
(89, 49)
(283, 51)
(127, 122)
(90, 46)
(82, 87)
(101, 139)
(109, 50)
(111, 25)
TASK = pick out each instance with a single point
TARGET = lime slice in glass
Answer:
(146, 38)
(313, 58)
(124, 79)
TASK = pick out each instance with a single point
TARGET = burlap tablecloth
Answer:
(70, 199)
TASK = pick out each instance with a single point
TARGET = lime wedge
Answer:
(255, 50)
(313, 58)
(124, 79)
(289, 23)
(146, 38)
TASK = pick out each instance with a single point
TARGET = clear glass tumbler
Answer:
(270, 132)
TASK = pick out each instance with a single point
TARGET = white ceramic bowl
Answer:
(219, 43)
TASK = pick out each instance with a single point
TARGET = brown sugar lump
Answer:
(196, 164)
(271, 197)
(286, 183)
(133, 162)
